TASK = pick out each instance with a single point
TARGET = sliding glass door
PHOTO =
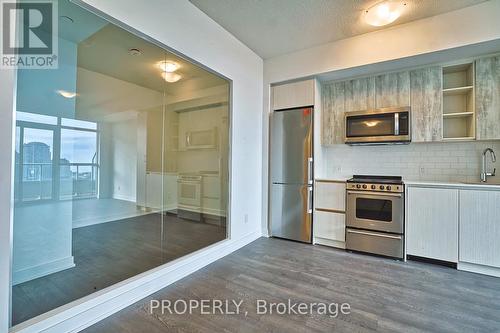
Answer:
(36, 164)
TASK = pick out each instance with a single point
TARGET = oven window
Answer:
(370, 125)
(374, 209)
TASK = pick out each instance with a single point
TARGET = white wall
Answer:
(463, 33)
(183, 27)
(124, 157)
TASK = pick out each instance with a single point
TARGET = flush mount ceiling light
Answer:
(168, 66)
(171, 77)
(134, 52)
(66, 94)
(384, 12)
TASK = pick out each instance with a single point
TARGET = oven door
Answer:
(375, 211)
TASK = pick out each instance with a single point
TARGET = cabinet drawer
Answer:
(330, 196)
(329, 226)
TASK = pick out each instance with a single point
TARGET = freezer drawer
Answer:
(390, 245)
(291, 212)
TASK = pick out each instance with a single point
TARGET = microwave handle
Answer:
(396, 123)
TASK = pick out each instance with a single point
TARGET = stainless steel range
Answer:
(375, 215)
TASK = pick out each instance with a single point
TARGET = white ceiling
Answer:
(275, 27)
(106, 52)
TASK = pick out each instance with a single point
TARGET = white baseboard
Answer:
(113, 218)
(30, 273)
(480, 269)
(124, 198)
(82, 313)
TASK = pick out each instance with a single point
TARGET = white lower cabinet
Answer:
(480, 231)
(330, 226)
(432, 223)
(329, 214)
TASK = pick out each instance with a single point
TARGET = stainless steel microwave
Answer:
(378, 126)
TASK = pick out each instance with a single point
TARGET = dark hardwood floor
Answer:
(384, 295)
(109, 253)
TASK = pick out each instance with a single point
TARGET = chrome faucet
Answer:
(484, 174)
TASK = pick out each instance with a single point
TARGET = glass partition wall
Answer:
(121, 163)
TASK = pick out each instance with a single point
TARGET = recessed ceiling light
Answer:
(384, 12)
(171, 77)
(67, 94)
(134, 52)
(168, 66)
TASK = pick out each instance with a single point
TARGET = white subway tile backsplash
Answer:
(445, 161)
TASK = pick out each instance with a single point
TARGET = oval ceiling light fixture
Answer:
(134, 51)
(171, 77)
(168, 66)
(384, 12)
(67, 94)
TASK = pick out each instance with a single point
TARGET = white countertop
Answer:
(331, 180)
(465, 185)
(425, 183)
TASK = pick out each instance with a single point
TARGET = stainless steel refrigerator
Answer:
(291, 174)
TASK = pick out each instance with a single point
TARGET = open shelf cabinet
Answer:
(458, 102)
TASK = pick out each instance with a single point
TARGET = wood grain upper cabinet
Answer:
(480, 227)
(392, 90)
(426, 104)
(332, 113)
(360, 94)
(293, 95)
(432, 225)
(488, 98)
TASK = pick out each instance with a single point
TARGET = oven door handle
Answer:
(373, 234)
(388, 194)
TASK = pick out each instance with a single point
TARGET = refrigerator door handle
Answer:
(310, 171)
(309, 200)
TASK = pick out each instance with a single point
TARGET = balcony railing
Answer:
(36, 181)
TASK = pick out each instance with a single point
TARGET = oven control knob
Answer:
(358, 186)
(364, 186)
(381, 187)
(388, 188)
(373, 187)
